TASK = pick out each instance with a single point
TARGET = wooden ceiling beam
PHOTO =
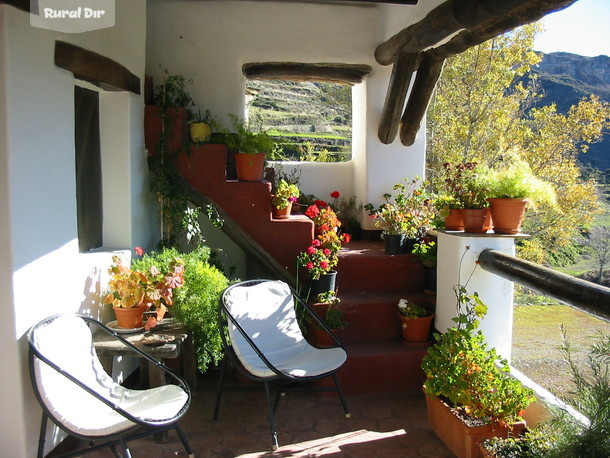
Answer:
(452, 16)
(297, 71)
(400, 80)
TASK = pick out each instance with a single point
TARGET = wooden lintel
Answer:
(428, 74)
(402, 73)
(95, 68)
(297, 71)
(23, 5)
(450, 17)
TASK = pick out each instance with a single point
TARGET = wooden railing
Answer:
(583, 294)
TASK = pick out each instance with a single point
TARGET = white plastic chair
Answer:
(266, 343)
(77, 394)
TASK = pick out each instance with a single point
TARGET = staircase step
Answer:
(364, 266)
(372, 316)
(381, 367)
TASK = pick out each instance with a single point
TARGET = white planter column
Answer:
(457, 256)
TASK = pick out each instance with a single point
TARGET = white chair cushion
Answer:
(266, 313)
(67, 342)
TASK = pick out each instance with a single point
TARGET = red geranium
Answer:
(335, 194)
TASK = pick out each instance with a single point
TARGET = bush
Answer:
(196, 303)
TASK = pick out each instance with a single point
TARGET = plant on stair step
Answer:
(284, 194)
(334, 316)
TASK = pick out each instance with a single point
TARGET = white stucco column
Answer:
(457, 256)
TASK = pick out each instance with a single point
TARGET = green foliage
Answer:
(196, 303)
(173, 92)
(411, 310)
(284, 193)
(244, 140)
(534, 443)
(460, 368)
(426, 252)
(480, 111)
(334, 316)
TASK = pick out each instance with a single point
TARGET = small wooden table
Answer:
(180, 344)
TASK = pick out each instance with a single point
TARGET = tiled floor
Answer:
(309, 425)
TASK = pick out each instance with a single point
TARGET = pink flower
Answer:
(335, 194)
(323, 265)
(309, 265)
(311, 250)
(315, 243)
(326, 251)
(346, 238)
(293, 199)
(312, 211)
(139, 250)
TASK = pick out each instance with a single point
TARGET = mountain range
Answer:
(565, 79)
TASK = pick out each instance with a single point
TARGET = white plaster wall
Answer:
(210, 41)
(459, 253)
(43, 272)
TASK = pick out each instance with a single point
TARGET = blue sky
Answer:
(582, 28)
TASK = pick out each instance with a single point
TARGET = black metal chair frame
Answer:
(280, 383)
(142, 428)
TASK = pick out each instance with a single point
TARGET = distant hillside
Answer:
(565, 79)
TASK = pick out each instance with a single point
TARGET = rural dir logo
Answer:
(72, 16)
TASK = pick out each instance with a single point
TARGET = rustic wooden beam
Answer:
(23, 5)
(428, 74)
(297, 71)
(451, 17)
(95, 68)
(402, 73)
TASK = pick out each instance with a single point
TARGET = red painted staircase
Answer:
(370, 283)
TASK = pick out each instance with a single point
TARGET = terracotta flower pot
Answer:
(454, 221)
(416, 329)
(507, 215)
(282, 213)
(129, 318)
(474, 220)
(250, 167)
(464, 440)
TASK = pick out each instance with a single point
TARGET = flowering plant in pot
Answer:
(416, 321)
(283, 196)
(407, 213)
(464, 375)
(142, 290)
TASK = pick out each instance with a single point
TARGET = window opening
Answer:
(88, 169)
(309, 120)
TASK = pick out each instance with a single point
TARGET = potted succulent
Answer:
(510, 188)
(404, 217)
(132, 292)
(416, 321)
(201, 126)
(249, 149)
(283, 196)
(327, 308)
(469, 393)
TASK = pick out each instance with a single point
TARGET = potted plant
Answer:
(201, 126)
(327, 308)
(132, 292)
(249, 149)
(416, 321)
(404, 217)
(510, 188)
(427, 252)
(468, 382)
(283, 196)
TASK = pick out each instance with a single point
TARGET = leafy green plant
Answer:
(244, 140)
(426, 252)
(334, 316)
(409, 211)
(471, 377)
(205, 118)
(196, 303)
(173, 92)
(284, 193)
(411, 309)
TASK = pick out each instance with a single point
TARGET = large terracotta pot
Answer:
(129, 318)
(464, 440)
(507, 215)
(474, 220)
(454, 221)
(250, 167)
(416, 329)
